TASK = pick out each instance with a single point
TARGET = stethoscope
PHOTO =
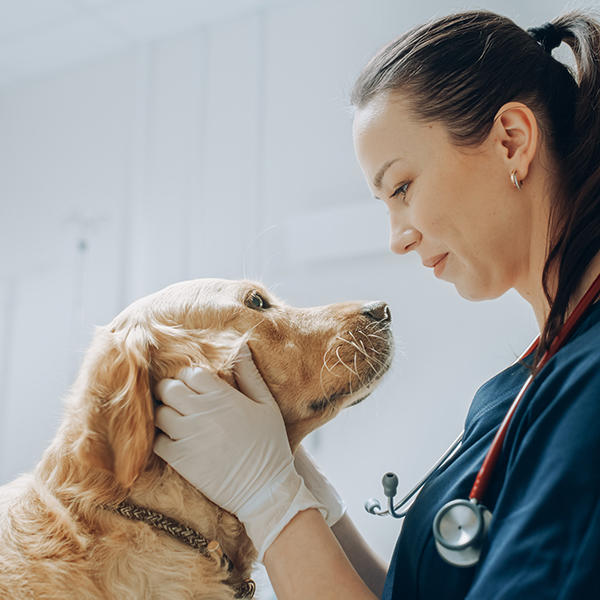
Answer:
(461, 526)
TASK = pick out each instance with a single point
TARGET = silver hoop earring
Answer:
(518, 184)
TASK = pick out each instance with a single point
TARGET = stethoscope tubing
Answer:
(485, 472)
(393, 509)
(487, 468)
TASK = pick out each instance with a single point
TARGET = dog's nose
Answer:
(378, 311)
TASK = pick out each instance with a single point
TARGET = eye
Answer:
(401, 191)
(256, 301)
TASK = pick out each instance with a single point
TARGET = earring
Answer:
(518, 184)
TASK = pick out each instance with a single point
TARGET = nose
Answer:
(403, 237)
(404, 241)
(378, 311)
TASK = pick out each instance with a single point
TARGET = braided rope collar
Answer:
(187, 535)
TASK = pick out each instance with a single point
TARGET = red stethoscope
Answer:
(460, 526)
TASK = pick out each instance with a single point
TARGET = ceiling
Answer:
(38, 37)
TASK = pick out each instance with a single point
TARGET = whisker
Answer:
(369, 357)
(353, 344)
(363, 346)
(337, 352)
(376, 364)
(356, 369)
(321, 378)
(377, 337)
(325, 359)
(326, 366)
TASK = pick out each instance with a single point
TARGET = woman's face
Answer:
(455, 207)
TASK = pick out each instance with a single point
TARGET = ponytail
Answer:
(574, 232)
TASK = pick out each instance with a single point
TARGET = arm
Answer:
(371, 567)
(306, 561)
(261, 485)
(368, 565)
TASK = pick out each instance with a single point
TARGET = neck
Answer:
(538, 301)
(536, 200)
(530, 286)
(587, 280)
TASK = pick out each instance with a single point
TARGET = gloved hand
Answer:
(321, 488)
(233, 447)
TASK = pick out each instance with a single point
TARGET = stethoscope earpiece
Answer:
(459, 529)
(373, 506)
(390, 487)
(390, 484)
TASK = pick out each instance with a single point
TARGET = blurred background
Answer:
(143, 142)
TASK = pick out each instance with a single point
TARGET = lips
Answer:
(437, 263)
(432, 262)
(439, 267)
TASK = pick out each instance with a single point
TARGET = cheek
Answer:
(432, 216)
(450, 211)
(316, 362)
(289, 371)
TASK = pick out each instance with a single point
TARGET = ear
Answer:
(516, 130)
(178, 348)
(118, 418)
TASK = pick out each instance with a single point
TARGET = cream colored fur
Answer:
(55, 540)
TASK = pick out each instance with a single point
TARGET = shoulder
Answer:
(556, 429)
(580, 354)
(554, 438)
(546, 488)
(571, 377)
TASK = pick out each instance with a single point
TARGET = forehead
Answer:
(222, 293)
(387, 129)
(385, 114)
(205, 295)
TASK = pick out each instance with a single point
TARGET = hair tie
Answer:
(547, 36)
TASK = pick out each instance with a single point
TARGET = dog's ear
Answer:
(116, 404)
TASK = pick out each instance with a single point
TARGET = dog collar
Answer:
(187, 535)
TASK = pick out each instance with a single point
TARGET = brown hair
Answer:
(461, 69)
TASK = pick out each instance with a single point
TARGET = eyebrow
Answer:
(379, 177)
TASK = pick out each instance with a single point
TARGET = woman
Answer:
(486, 151)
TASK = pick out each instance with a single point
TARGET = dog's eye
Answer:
(256, 301)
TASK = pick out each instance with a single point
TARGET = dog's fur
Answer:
(55, 540)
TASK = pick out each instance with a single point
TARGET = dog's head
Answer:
(316, 361)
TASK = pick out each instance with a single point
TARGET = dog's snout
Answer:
(378, 311)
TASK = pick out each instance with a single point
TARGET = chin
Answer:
(480, 291)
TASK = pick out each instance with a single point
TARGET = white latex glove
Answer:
(233, 447)
(321, 488)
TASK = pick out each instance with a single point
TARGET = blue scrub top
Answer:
(544, 538)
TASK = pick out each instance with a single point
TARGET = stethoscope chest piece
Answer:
(459, 529)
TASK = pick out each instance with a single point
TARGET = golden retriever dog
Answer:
(60, 537)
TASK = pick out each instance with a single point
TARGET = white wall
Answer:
(167, 162)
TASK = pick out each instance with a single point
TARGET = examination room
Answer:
(366, 209)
